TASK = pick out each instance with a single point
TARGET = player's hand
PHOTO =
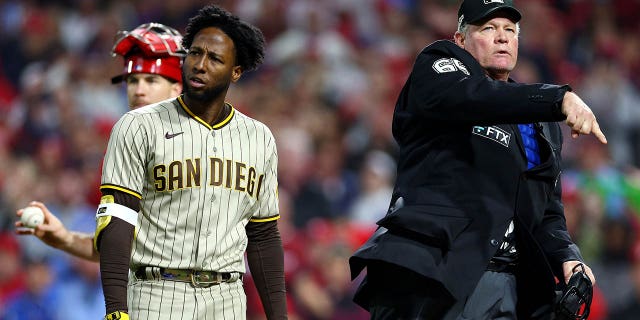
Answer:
(51, 231)
(580, 118)
(567, 270)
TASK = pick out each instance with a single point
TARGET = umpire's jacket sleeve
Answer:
(447, 84)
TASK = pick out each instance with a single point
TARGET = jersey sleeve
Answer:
(124, 162)
(268, 209)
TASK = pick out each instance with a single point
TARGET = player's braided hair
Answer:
(248, 40)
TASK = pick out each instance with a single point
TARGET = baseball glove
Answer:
(575, 300)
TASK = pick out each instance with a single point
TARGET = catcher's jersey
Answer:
(199, 184)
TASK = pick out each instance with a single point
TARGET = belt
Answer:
(197, 278)
(499, 266)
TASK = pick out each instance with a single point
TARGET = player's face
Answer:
(494, 44)
(210, 65)
(146, 88)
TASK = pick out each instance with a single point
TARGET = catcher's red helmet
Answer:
(150, 48)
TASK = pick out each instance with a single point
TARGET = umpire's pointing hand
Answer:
(580, 118)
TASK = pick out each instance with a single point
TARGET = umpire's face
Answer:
(494, 43)
(210, 65)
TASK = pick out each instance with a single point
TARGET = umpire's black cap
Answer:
(475, 10)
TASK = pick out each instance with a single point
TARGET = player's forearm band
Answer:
(117, 315)
(116, 210)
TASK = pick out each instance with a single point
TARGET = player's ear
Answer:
(236, 73)
(176, 89)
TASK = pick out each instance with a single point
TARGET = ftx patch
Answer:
(493, 133)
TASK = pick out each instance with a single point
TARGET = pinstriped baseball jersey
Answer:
(199, 184)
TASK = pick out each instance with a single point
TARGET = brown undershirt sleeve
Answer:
(266, 262)
(114, 244)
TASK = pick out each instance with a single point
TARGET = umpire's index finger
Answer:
(598, 133)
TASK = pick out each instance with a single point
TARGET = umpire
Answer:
(476, 228)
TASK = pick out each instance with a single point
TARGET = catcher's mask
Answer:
(150, 48)
(575, 300)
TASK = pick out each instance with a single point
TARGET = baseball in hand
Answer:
(32, 217)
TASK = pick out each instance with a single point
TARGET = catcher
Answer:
(152, 54)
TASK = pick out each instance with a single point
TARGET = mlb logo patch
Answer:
(493, 1)
(493, 133)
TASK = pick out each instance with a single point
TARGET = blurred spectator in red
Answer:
(599, 308)
(12, 281)
(321, 288)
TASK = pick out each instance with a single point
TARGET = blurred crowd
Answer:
(327, 91)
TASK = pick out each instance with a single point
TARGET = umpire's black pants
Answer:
(400, 294)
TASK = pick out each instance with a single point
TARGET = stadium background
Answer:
(327, 91)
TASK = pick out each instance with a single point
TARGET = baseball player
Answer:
(188, 185)
(152, 55)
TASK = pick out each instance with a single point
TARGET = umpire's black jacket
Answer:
(462, 176)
